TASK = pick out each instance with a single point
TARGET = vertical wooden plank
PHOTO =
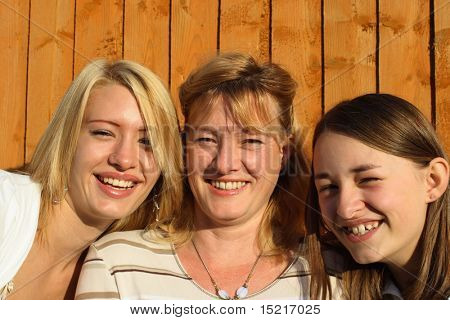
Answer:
(193, 37)
(99, 31)
(244, 27)
(296, 45)
(404, 56)
(146, 35)
(13, 81)
(442, 70)
(349, 48)
(49, 65)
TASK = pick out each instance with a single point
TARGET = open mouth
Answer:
(362, 228)
(116, 183)
(227, 185)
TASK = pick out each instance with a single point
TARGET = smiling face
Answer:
(231, 172)
(375, 203)
(113, 169)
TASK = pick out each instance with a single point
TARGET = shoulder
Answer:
(19, 211)
(129, 247)
(298, 268)
(20, 198)
(13, 182)
(135, 238)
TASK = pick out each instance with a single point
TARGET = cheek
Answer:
(88, 153)
(81, 160)
(261, 162)
(327, 210)
(150, 168)
(198, 160)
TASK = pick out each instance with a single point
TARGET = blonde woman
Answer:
(382, 186)
(109, 159)
(240, 233)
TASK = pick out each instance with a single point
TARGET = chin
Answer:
(366, 258)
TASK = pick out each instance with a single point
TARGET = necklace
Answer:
(241, 292)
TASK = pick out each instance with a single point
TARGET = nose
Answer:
(349, 202)
(125, 154)
(228, 157)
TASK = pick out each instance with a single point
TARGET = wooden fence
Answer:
(335, 49)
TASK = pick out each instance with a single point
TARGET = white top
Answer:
(133, 265)
(20, 199)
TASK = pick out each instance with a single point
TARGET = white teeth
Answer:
(230, 185)
(362, 229)
(117, 183)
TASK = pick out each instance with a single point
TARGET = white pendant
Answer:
(223, 295)
(241, 292)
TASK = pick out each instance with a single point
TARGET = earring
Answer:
(155, 208)
(57, 201)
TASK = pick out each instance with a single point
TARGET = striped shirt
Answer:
(133, 265)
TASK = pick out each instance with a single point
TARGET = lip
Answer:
(115, 193)
(119, 176)
(357, 222)
(356, 239)
(222, 192)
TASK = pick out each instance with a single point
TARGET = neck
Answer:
(224, 241)
(66, 236)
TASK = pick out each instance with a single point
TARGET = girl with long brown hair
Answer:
(381, 184)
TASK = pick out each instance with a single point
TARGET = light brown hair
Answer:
(258, 97)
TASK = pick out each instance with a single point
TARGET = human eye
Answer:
(367, 180)
(145, 142)
(253, 141)
(327, 188)
(101, 133)
(205, 140)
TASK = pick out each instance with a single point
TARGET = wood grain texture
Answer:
(244, 27)
(49, 64)
(350, 49)
(296, 45)
(194, 39)
(14, 16)
(404, 55)
(172, 41)
(442, 60)
(146, 35)
(99, 31)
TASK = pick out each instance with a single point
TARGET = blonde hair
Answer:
(394, 126)
(52, 159)
(251, 92)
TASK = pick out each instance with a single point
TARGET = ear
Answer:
(285, 151)
(437, 179)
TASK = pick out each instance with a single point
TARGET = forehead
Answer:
(336, 152)
(236, 114)
(112, 102)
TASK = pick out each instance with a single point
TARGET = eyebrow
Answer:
(115, 124)
(358, 169)
(210, 130)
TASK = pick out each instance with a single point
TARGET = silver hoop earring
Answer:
(57, 201)
(156, 208)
